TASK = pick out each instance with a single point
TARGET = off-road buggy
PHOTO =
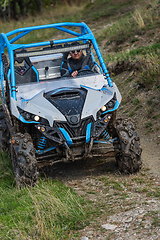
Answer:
(46, 118)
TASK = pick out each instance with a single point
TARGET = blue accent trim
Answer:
(42, 142)
(103, 142)
(88, 132)
(37, 73)
(39, 152)
(99, 55)
(68, 31)
(26, 100)
(70, 70)
(66, 135)
(86, 67)
(89, 87)
(60, 89)
(105, 135)
(105, 89)
(9, 74)
(113, 109)
(23, 120)
(2, 76)
(110, 141)
(61, 65)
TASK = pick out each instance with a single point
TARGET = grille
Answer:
(78, 130)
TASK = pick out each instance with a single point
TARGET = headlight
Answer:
(107, 107)
(104, 108)
(32, 117)
(36, 118)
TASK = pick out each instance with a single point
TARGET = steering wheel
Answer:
(84, 71)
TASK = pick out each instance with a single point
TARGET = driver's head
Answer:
(77, 54)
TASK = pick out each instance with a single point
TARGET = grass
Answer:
(148, 124)
(126, 27)
(105, 9)
(132, 113)
(136, 101)
(137, 16)
(133, 22)
(155, 116)
(50, 210)
(150, 73)
(156, 222)
(52, 14)
(147, 59)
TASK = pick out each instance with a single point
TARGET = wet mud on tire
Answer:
(127, 147)
(24, 160)
(4, 132)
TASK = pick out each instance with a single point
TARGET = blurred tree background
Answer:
(16, 9)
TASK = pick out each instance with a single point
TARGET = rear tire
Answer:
(24, 160)
(4, 131)
(127, 146)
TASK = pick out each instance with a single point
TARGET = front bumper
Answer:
(72, 141)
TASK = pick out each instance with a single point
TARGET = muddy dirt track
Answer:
(151, 155)
(98, 165)
(127, 205)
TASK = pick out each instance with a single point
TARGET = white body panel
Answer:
(30, 96)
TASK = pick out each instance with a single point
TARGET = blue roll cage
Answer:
(85, 35)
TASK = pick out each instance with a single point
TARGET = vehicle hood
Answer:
(55, 103)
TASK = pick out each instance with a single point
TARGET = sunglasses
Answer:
(78, 51)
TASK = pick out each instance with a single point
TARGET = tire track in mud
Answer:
(151, 155)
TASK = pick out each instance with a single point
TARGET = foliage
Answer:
(150, 72)
(105, 9)
(50, 210)
(16, 9)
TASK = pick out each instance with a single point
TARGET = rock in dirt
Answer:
(109, 226)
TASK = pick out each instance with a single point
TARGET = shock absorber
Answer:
(42, 142)
(105, 135)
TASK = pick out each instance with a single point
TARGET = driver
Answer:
(76, 62)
